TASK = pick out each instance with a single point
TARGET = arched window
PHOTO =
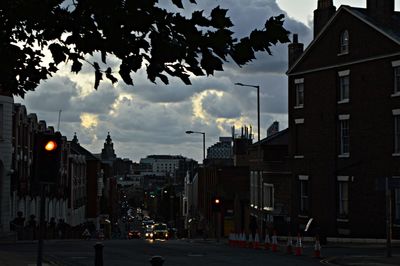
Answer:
(344, 42)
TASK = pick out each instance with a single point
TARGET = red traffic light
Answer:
(51, 145)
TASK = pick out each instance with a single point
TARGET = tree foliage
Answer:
(138, 32)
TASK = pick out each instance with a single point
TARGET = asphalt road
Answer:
(176, 253)
(139, 251)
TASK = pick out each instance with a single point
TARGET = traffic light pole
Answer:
(41, 225)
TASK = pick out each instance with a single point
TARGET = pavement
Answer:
(16, 259)
(11, 258)
(365, 261)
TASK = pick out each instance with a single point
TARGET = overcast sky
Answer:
(152, 119)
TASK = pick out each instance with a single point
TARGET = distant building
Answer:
(274, 128)
(221, 149)
(6, 148)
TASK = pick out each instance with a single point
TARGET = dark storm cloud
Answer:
(52, 95)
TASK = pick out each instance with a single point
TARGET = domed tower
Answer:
(108, 153)
(6, 111)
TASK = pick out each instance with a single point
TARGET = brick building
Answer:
(344, 117)
(271, 191)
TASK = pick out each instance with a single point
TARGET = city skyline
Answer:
(152, 118)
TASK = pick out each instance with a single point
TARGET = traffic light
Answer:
(47, 157)
(216, 204)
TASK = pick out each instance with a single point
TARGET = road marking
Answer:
(195, 255)
(327, 261)
(78, 258)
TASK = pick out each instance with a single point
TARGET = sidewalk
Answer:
(366, 260)
(16, 259)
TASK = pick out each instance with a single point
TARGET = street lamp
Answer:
(204, 141)
(258, 104)
(259, 144)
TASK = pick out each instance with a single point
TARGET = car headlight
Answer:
(147, 234)
(151, 234)
(166, 234)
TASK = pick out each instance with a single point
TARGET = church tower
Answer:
(108, 153)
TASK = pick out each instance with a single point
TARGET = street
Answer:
(179, 253)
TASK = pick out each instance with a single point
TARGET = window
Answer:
(344, 42)
(397, 134)
(344, 134)
(299, 91)
(397, 79)
(299, 139)
(343, 190)
(268, 197)
(303, 196)
(397, 205)
(344, 85)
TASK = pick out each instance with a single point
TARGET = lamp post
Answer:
(204, 141)
(258, 104)
(258, 138)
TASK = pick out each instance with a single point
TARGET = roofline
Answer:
(348, 9)
(344, 64)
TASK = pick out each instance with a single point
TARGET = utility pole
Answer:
(388, 219)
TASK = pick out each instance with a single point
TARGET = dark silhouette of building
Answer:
(344, 117)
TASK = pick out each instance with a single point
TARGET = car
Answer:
(148, 224)
(160, 231)
(148, 233)
(134, 234)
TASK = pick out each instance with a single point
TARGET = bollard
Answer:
(157, 261)
(98, 257)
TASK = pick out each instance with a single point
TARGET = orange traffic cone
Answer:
(243, 241)
(250, 242)
(317, 248)
(299, 246)
(235, 240)
(289, 246)
(256, 241)
(267, 242)
(274, 246)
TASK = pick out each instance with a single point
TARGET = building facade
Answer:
(6, 110)
(344, 117)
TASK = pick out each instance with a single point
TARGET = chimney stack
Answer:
(381, 10)
(322, 14)
(295, 50)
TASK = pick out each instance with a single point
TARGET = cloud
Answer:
(152, 118)
(221, 105)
